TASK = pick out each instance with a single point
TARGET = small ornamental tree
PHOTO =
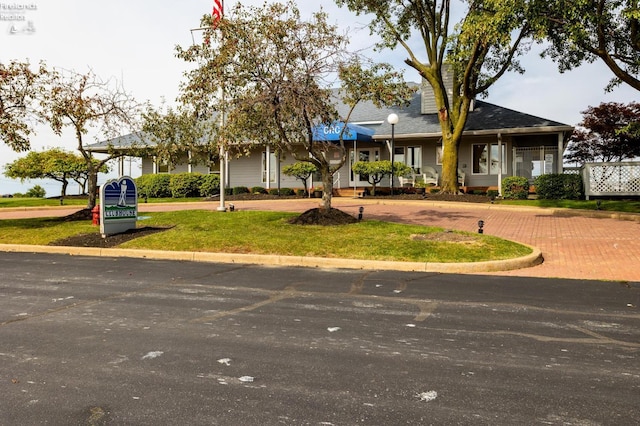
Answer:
(375, 171)
(607, 132)
(301, 171)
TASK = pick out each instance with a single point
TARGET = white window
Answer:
(366, 154)
(485, 159)
(414, 158)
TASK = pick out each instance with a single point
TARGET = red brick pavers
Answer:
(573, 246)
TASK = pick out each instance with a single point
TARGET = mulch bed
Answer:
(95, 239)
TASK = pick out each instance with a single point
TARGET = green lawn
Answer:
(270, 233)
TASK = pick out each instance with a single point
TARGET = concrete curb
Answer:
(535, 258)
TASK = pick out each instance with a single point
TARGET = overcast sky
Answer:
(133, 41)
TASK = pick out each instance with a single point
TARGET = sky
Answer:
(134, 41)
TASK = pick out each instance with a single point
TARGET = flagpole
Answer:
(218, 13)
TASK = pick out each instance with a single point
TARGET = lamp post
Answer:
(393, 120)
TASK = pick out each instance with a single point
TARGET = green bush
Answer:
(209, 185)
(493, 193)
(301, 192)
(237, 190)
(154, 186)
(36, 192)
(559, 187)
(258, 190)
(478, 192)
(183, 185)
(273, 191)
(515, 188)
(286, 191)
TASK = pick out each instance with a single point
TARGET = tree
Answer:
(375, 171)
(54, 164)
(266, 73)
(479, 50)
(301, 171)
(20, 88)
(85, 101)
(36, 192)
(587, 30)
(606, 133)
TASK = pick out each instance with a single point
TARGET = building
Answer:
(497, 142)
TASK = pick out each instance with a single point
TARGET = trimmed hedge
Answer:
(559, 187)
(153, 186)
(515, 188)
(210, 185)
(183, 185)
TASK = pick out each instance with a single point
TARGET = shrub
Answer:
(237, 190)
(273, 191)
(559, 187)
(36, 192)
(154, 186)
(286, 191)
(515, 188)
(434, 190)
(258, 190)
(478, 192)
(209, 185)
(493, 193)
(301, 192)
(183, 185)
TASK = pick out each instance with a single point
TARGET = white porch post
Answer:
(560, 152)
(267, 163)
(500, 162)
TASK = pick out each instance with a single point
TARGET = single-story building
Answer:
(497, 142)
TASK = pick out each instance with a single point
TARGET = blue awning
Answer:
(331, 132)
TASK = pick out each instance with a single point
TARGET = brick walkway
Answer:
(573, 245)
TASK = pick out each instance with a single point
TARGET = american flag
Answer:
(218, 12)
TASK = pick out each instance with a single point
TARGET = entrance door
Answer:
(363, 154)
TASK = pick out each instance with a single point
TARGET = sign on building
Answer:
(118, 206)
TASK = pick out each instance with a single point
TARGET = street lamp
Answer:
(393, 120)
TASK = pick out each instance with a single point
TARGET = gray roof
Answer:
(485, 118)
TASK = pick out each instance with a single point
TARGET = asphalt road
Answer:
(95, 341)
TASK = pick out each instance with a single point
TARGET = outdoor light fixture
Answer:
(360, 211)
(480, 226)
(231, 207)
(598, 204)
(393, 120)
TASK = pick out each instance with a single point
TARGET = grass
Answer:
(624, 206)
(270, 233)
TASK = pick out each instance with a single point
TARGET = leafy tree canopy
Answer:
(20, 87)
(268, 74)
(587, 30)
(478, 50)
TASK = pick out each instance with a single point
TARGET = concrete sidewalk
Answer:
(580, 245)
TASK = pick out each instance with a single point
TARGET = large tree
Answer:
(478, 50)
(587, 30)
(266, 72)
(83, 103)
(604, 134)
(56, 164)
(20, 88)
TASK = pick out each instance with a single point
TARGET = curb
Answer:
(533, 259)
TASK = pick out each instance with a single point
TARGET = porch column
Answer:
(267, 161)
(500, 161)
(560, 152)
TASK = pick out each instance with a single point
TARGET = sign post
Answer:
(118, 206)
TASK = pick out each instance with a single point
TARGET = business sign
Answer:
(118, 206)
(333, 131)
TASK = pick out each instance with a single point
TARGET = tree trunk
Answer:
(327, 187)
(93, 187)
(449, 183)
(65, 183)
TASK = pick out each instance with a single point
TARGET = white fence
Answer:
(611, 179)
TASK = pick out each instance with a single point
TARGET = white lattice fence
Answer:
(612, 179)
